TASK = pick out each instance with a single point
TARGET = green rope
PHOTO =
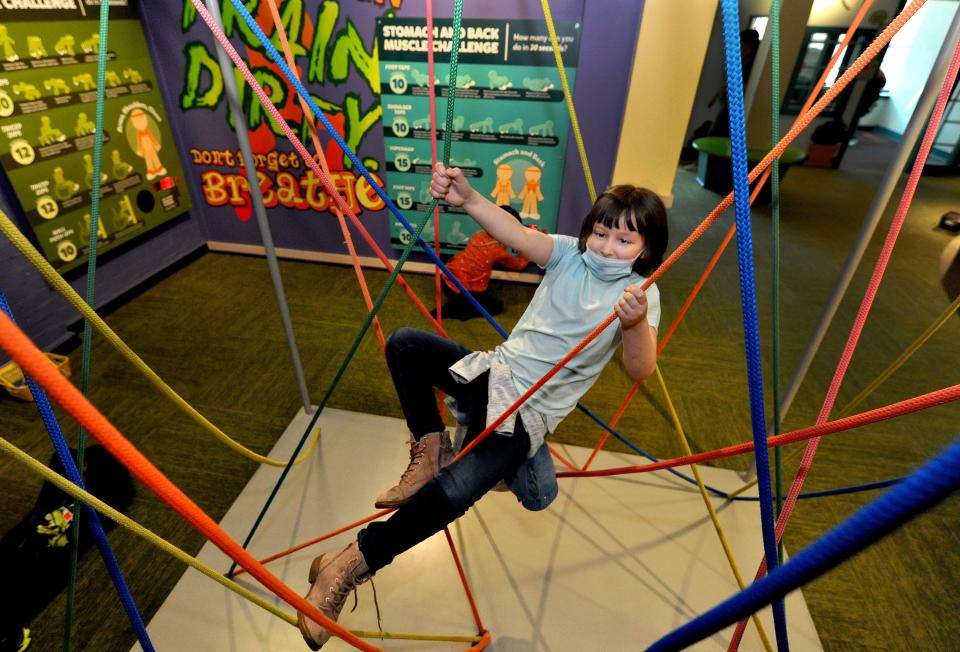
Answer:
(447, 142)
(775, 218)
(91, 293)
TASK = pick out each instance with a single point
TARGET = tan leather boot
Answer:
(332, 576)
(427, 457)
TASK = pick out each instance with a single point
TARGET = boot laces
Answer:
(417, 451)
(350, 586)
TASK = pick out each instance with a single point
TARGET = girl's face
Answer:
(619, 242)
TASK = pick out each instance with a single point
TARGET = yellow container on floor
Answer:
(11, 376)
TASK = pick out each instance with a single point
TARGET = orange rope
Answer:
(36, 364)
(322, 160)
(915, 404)
(726, 241)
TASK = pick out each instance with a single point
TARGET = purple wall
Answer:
(600, 94)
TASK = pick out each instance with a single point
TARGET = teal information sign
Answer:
(510, 124)
(48, 71)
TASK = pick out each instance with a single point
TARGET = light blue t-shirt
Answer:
(569, 304)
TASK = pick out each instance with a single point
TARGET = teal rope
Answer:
(775, 218)
(447, 143)
(91, 292)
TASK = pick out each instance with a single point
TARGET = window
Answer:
(819, 46)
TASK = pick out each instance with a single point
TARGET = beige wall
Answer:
(666, 69)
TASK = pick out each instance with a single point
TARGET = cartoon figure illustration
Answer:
(84, 81)
(85, 229)
(88, 172)
(58, 524)
(84, 126)
(458, 123)
(35, 47)
(422, 123)
(541, 85)
(463, 163)
(421, 79)
(132, 75)
(123, 215)
(515, 127)
(502, 191)
(64, 45)
(112, 79)
(63, 188)
(57, 86)
(48, 133)
(121, 169)
(456, 235)
(485, 126)
(545, 129)
(92, 44)
(465, 81)
(7, 44)
(530, 194)
(500, 82)
(29, 91)
(147, 144)
(425, 197)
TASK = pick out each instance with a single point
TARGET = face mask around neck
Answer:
(607, 269)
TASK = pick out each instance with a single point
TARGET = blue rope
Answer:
(73, 473)
(305, 96)
(748, 294)
(880, 484)
(920, 491)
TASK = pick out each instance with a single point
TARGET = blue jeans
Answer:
(419, 363)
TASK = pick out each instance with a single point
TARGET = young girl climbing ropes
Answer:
(622, 240)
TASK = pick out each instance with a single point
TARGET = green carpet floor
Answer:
(212, 331)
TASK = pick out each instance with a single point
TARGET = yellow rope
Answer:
(86, 497)
(23, 245)
(105, 509)
(737, 492)
(682, 438)
(569, 99)
(896, 364)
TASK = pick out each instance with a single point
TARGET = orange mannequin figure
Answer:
(503, 191)
(531, 193)
(147, 144)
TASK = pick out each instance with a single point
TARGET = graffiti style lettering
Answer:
(199, 60)
(214, 191)
(358, 125)
(347, 47)
(289, 191)
(213, 157)
(330, 47)
(276, 89)
(327, 15)
(291, 17)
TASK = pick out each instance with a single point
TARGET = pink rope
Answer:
(308, 159)
(871, 293)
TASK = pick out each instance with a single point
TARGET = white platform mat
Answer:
(614, 564)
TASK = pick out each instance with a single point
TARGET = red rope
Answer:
(36, 364)
(922, 402)
(872, 287)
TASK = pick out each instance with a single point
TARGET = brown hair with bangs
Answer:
(638, 209)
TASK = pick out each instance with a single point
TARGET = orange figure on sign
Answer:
(503, 191)
(147, 144)
(531, 193)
